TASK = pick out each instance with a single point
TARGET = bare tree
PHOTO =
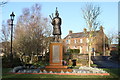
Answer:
(112, 38)
(32, 32)
(90, 14)
(4, 33)
(5, 37)
(3, 2)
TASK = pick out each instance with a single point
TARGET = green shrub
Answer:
(16, 62)
(39, 64)
(73, 51)
(7, 64)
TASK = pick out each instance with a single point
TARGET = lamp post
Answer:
(12, 19)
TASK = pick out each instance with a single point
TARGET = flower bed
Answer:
(81, 71)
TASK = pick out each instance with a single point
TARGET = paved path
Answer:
(104, 62)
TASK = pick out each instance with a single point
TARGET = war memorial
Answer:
(56, 57)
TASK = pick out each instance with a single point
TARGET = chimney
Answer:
(70, 32)
(85, 30)
(101, 28)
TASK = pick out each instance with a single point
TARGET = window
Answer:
(80, 49)
(74, 47)
(80, 40)
(87, 40)
(67, 41)
(87, 48)
(67, 49)
(75, 41)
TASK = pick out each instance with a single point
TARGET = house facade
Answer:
(81, 41)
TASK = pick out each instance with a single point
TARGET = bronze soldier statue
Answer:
(56, 22)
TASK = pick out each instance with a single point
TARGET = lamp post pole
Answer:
(12, 19)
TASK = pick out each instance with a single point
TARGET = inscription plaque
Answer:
(56, 54)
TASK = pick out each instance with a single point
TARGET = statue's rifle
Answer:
(51, 17)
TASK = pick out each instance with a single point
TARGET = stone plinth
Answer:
(56, 56)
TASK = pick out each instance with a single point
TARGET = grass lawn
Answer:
(114, 73)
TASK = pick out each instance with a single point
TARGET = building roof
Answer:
(78, 35)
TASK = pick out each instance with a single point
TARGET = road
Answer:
(105, 62)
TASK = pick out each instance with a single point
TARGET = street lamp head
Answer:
(12, 16)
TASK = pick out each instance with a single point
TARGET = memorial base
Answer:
(57, 69)
(56, 56)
